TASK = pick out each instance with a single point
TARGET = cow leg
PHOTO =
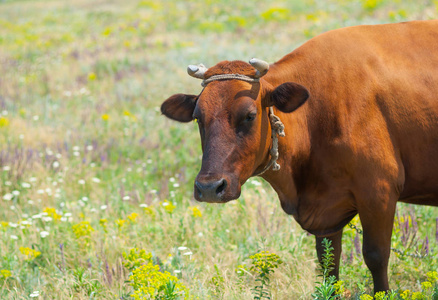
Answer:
(337, 246)
(377, 226)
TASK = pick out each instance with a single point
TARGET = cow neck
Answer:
(277, 129)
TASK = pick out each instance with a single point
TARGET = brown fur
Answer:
(366, 138)
(231, 67)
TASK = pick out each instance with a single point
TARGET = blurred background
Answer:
(89, 168)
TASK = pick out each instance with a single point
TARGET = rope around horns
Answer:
(228, 77)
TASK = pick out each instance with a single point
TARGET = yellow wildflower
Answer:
(92, 76)
(402, 13)
(127, 113)
(150, 4)
(149, 211)
(120, 223)
(29, 253)
(371, 5)
(105, 117)
(107, 31)
(82, 229)
(4, 224)
(312, 17)
(432, 276)
(380, 296)
(51, 212)
(418, 296)
(265, 262)
(339, 286)
(149, 283)
(426, 285)
(168, 206)
(196, 212)
(132, 217)
(366, 297)
(240, 270)
(136, 257)
(4, 122)
(405, 294)
(276, 14)
(5, 274)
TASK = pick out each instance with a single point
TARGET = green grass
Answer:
(80, 131)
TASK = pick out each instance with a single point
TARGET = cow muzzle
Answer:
(210, 191)
(214, 190)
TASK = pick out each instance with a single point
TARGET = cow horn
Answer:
(197, 71)
(261, 66)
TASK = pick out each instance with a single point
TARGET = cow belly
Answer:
(421, 179)
(421, 175)
(427, 199)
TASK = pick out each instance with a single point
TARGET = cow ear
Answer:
(288, 96)
(179, 107)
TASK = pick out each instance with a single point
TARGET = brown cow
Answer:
(365, 136)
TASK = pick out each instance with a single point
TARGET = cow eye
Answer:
(250, 117)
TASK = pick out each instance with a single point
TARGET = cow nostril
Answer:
(198, 189)
(221, 187)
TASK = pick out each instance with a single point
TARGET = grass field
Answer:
(89, 169)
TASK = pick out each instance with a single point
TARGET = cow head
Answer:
(233, 117)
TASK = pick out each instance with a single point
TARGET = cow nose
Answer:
(211, 190)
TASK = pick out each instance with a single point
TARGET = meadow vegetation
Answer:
(96, 186)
